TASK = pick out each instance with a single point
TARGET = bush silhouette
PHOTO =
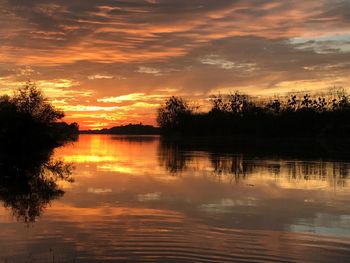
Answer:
(240, 114)
(28, 119)
(173, 114)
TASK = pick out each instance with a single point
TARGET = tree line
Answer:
(297, 115)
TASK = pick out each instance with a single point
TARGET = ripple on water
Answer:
(150, 238)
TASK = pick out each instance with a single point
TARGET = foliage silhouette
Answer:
(173, 115)
(239, 114)
(28, 120)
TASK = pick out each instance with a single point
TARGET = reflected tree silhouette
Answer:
(172, 156)
(333, 172)
(233, 165)
(29, 182)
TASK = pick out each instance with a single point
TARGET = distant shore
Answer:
(130, 129)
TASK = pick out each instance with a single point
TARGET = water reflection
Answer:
(29, 182)
(233, 166)
(147, 200)
(172, 157)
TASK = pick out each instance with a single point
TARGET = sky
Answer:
(113, 62)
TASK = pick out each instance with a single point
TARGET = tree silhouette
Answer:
(238, 114)
(172, 115)
(31, 101)
(28, 119)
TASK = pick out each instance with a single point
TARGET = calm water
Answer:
(137, 199)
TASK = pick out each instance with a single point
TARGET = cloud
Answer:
(119, 99)
(108, 31)
(99, 190)
(148, 70)
(99, 76)
(133, 97)
(95, 54)
(338, 43)
(89, 108)
(226, 64)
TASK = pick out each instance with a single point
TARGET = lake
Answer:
(143, 199)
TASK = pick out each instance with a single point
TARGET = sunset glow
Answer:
(108, 63)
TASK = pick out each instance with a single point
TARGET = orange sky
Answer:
(108, 63)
